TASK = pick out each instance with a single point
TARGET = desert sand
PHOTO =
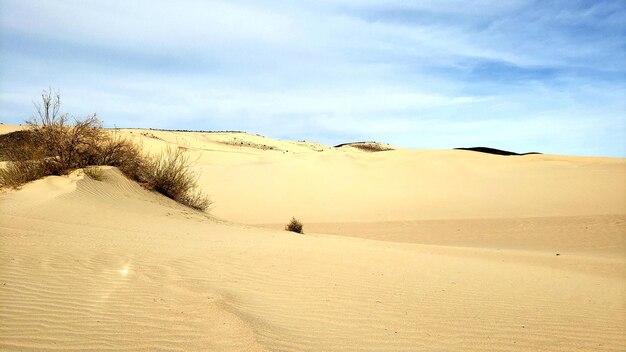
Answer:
(404, 250)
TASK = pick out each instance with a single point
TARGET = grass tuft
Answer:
(94, 173)
(171, 175)
(294, 226)
(18, 172)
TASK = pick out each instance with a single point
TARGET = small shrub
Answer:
(294, 226)
(126, 156)
(197, 200)
(94, 173)
(66, 147)
(19, 172)
(170, 174)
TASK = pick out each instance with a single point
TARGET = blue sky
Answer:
(545, 76)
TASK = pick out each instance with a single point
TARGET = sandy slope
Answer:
(254, 185)
(596, 235)
(467, 259)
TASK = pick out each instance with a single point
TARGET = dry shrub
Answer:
(17, 145)
(171, 175)
(53, 147)
(94, 173)
(294, 226)
(64, 147)
(125, 155)
(50, 146)
(19, 172)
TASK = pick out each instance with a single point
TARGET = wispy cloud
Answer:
(527, 75)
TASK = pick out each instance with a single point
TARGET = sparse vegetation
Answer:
(294, 226)
(12, 144)
(16, 173)
(126, 156)
(94, 173)
(51, 146)
(170, 174)
(150, 135)
(244, 143)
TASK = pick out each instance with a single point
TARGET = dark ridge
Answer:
(344, 144)
(369, 146)
(168, 130)
(494, 151)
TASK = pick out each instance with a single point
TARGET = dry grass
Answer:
(171, 175)
(23, 157)
(51, 146)
(19, 172)
(294, 226)
(94, 173)
(150, 135)
(125, 155)
(16, 145)
(237, 142)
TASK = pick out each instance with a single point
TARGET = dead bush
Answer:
(294, 226)
(18, 145)
(64, 147)
(94, 173)
(51, 146)
(125, 155)
(170, 174)
(18, 172)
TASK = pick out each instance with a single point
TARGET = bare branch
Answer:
(48, 111)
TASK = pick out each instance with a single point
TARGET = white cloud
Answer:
(147, 24)
(455, 71)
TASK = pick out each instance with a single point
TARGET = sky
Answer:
(520, 75)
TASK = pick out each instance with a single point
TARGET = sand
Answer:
(404, 250)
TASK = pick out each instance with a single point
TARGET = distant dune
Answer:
(403, 250)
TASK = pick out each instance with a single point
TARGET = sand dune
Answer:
(322, 184)
(423, 250)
